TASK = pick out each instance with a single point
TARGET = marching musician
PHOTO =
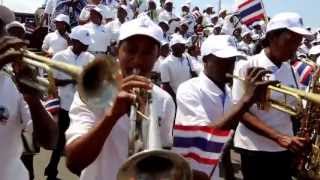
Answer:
(20, 109)
(97, 139)
(59, 39)
(265, 138)
(76, 54)
(206, 100)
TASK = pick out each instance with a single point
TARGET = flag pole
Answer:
(219, 6)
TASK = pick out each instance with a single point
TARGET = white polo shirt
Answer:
(101, 37)
(14, 117)
(54, 42)
(200, 102)
(114, 27)
(115, 149)
(280, 121)
(175, 70)
(66, 93)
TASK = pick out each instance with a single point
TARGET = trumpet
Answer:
(299, 95)
(96, 83)
(147, 159)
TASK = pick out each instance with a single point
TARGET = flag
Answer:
(250, 11)
(304, 71)
(52, 105)
(202, 146)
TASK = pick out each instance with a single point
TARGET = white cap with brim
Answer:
(177, 39)
(168, 1)
(6, 15)
(315, 50)
(142, 25)
(81, 34)
(62, 18)
(288, 20)
(15, 24)
(222, 46)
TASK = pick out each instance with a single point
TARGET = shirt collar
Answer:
(210, 85)
(267, 63)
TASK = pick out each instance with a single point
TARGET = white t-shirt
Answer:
(248, 139)
(54, 42)
(85, 13)
(101, 37)
(114, 27)
(199, 103)
(115, 150)
(14, 117)
(66, 93)
(156, 66)
(175, 71)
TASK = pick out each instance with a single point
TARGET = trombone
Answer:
(299, 95)
(96, 82)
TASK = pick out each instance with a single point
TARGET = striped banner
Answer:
(251, 11)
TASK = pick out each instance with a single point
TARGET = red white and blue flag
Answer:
(202, 146)
(52, 105)
(304, 71)
(250, 11)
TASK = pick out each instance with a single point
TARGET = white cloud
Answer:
(28, 6)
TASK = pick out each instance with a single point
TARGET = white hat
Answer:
(15, 24)
(222, 10)
(288, 20)
(168, 1)
(222, 46)
(314, 50)
(6, 15)
(164, 42)
(98, 10)
(177, 39)
(62, 18)
(81, 34)
(142, 25)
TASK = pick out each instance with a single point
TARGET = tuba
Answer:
(147, 160)
(308, 163)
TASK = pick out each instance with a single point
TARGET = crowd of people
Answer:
(183, 59)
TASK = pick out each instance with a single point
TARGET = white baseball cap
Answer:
(168, 1)
(142, 25)
(62, 18)
(288, 20)
(6, 15)
(177, 39)
(81, 34)
(98, 10)
(314, 50)
(15, 24)
(222, 46)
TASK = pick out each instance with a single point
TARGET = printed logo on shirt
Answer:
(4, 115)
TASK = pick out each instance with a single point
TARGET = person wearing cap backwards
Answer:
(85, 13)
(177, 67)
(59, 39)
(20, 109)
(99, 32)
(206, 100)
(78, 55)
(265, 139)
(98, 139)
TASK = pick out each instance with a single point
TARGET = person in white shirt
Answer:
(115, 25)
(85, 13)
(48, 13)
(176, 68)
(99, 32)
(265, 139)
(76, 54)
(314, 54)
(168, 16)
(59, 39)
(155, 73)
(246, 45)
(20, 109)
(98, 138)
(206, 100)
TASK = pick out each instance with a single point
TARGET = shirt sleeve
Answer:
(164, 72)
(167, 122)
(45, 44)
(82, 119)
(238, 89)
(25, 115)
(190, 110)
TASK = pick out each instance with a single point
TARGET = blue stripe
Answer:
(250, 10)
(306, 82)
(301, 68)
(53, 103)
(201, 143)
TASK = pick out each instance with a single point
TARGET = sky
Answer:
(308, 9)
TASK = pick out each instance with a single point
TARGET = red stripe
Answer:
(210, 130)
(306, 74)
(201, 160)
(245, 3)
(253, 19)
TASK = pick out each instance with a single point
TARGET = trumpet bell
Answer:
(155, 165)
(98, 85)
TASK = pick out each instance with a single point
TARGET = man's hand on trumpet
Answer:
(126, 95)
(8, 54)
